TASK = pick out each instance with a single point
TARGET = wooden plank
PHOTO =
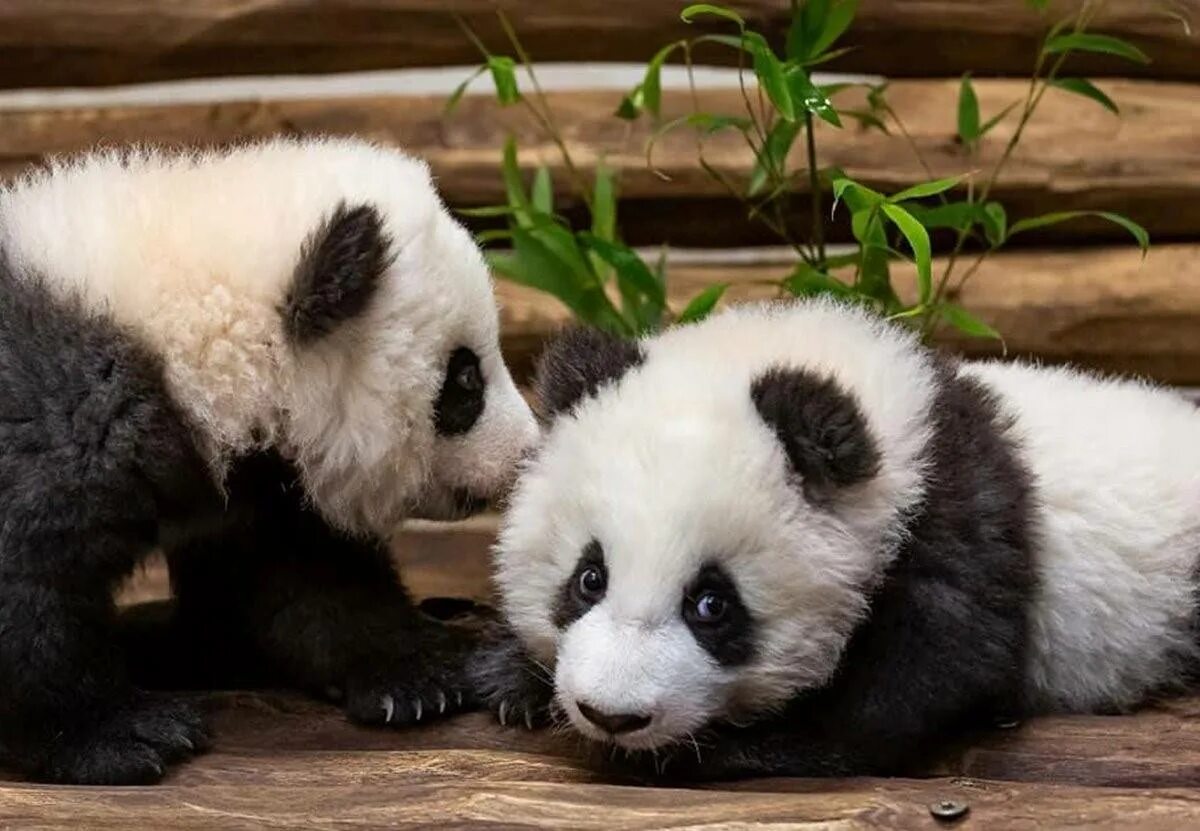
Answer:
(67, 43)
(1100, 308)
(1075, 155)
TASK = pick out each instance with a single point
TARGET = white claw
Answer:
(441, 702)
(389, 708)
(528, 718)
(503, 712)
(417, 707)
(458, 697)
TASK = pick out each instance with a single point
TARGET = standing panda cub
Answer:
(791, 540)
(260, 360)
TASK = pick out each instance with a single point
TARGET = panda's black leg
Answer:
(94, 455)
(318, 609)
(518, 689)
(67, 712)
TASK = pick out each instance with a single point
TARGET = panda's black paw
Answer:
(419, 685)
(517, 689)
(133, 746)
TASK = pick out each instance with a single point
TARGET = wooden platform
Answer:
(283, 761)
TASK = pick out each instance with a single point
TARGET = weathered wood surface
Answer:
(1075, 155)
(1102, 308)
(282, 760)
(69, 43)
(285, 761)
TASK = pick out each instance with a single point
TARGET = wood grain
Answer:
(68, 43)
(1075, 155)
(470, 772)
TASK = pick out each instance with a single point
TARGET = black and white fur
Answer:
(899, 545)
(261, 360)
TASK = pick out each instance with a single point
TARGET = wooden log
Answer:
(67, 43)
(1074, 156)
(1101, 308)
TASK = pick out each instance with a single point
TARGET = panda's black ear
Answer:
(576, 363)
(339, 269)
(821, 428)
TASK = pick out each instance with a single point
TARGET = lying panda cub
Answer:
(261, 360)
(791, 540)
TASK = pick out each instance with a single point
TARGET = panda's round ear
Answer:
(337, 274)
(576, 363)
(826, 438)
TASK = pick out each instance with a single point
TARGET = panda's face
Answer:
(694, 542)
(402, 407)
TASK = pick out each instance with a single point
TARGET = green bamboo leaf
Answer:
(652, 83)
(703, 303)
(866, 120)
(690, 13)
(770, 161)
(1084, 87)
(836, 22)
(968, 112)
(874, 277)
(806, 281)
(542, 194)
(857, 196)
(487, 211)
(964, 321)
(1088, 42)
(504, 76)
(604, 204)
(493, 235)
(926, 189)
(995, 223)
(802, 91)
(957, 216)
(918, 240)
(632, 104)
(460, 90)
(630, 267)
(514, 188)
(772, 78)
(1137, 231)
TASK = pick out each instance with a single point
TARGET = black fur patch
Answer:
(820, 426)
(337, 274)
(729, 640)
(93, 456)
(944, 645)
(571, 605)
(576, 364)
(460, 401)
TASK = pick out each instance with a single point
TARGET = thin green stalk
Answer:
(814, 185)
(546, 118)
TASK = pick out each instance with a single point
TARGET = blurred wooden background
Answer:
(1079, 293)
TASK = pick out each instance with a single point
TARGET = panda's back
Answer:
(1116, 467)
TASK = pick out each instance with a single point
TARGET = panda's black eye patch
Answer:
(460, 402)
(585, 587)
(720, 622)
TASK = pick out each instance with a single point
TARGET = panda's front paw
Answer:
(426, 683)
(132, 746)
(517, 689)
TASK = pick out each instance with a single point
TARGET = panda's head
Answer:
(398, 403)
(696, 538)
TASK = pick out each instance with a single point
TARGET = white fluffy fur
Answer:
(1117, 474)
(675, 468)
(195, 253)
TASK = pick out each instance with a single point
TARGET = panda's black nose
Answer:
(614, 723)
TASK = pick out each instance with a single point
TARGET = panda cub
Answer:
(792, 540)
(260, 360)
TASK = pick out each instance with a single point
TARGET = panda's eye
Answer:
(469, 378)
(461, 400)
(592, 582)
(710, 607)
